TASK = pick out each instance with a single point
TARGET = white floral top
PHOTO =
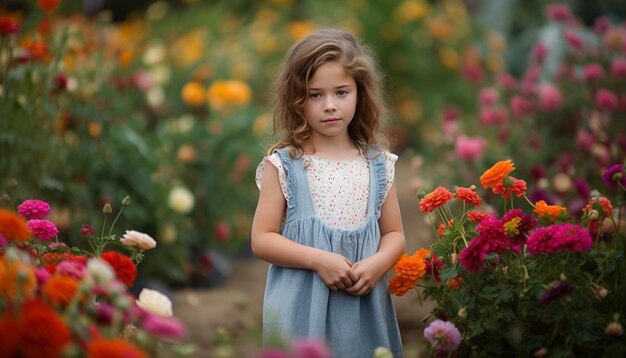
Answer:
(339, 188)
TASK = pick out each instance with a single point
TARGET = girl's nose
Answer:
(329, 105)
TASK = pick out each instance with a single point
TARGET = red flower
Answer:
(476, 216)
(469, 196)
(49, 5)
(8, 27)
(43, 333)
(435, 199)
(510, 185)
(124, 267)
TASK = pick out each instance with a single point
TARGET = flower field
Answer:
(130, 134)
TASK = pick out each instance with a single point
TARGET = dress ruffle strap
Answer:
(377, 158)
(289, 175)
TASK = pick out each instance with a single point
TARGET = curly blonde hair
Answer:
(291, 88)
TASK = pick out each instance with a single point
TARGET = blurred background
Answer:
(169, 102)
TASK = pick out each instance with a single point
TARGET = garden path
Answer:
(224, 321)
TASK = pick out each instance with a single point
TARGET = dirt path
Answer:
(225, 321)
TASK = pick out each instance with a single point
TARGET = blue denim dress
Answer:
(298, 304)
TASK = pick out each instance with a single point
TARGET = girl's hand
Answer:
(368, 272)
(334, 270)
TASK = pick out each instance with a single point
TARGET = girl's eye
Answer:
(342, 93)
(314, 95)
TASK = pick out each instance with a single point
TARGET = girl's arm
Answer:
(269, 245)
(368, 271)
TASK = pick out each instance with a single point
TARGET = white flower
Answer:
(138, 240)
(100, 270)
(155, 302)
(181, 200)
(154, 54)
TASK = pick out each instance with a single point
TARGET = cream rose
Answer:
(155, 302)
(181, 200)
(138, 240)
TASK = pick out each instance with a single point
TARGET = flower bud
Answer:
(87, 231)
(12, 183)
(593, 214)
(617, 177)
(6, 199)
(126, 201)
(601, 292)
(462, 313)
(107, 208)
(508, 182)
(614, 329)
(453, 259)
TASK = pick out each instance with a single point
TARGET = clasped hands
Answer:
(357, 279)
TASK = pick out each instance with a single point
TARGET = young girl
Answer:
(328, 219)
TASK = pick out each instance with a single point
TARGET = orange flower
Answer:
(468, 195)
(411, 267)
(494, 175)
(115, 347)
(222, 93)
(542, 209)
(440, 230)
(438, 197)
(454, 283)
(17, 280)
(60, 290)
(49, 5)
(193, 93)
(399, 285)
(43, 333)
(476, 216)
(511, 185)
(13, 226)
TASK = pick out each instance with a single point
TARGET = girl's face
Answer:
(331, 101)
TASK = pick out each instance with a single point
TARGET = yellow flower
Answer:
(222, 93)
(411, 10)
(192, 93)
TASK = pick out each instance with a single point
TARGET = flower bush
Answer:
(57, 300)
(524, 278)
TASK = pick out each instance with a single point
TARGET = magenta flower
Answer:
(558, 238)
(488, 96)
(8, 27)
(308, 348)
(556, 291)
(163, 327)
(507, 81)
(614, 175)
(104, 314)
(470, 148)
(559, 12)
(443, 335)
(34, 209)
(585, 140)
(44, 230)
(42, 276)
(606, 100)
(574, 40)
(593, 72)
(550, 97)
(489, 115)
(520, 106)
(618, 67)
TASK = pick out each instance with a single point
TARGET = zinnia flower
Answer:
(410, 267)
(13, 226)
(443, 335)
(34, 209)
(438, 197)
(44, 230)
(311, 348)
(399, 285)
(114, 347)
(559, 237)
(123, 266)
(614, 176)
(544, 210)
(43, 332)
(494, 175)
(476, 216)
(155, 302)
(60, 290)
(138, 240)
(468, 195)
(510, 185)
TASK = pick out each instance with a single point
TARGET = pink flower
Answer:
(520, 106)
(606, 100)
(443, 335)
(618, 67)
(34, 209)
(559, 237)
(42, 276)
(308, 348)
(601, 24)
(507, 81)
(539, 52)
(72, 269)
(559, 12)
(470, 148)
(488, 97)
(550, 97)
(450, 114)
(584, 139)
(163, 327)
(490, 115)
(43, 229)
(574, 40)
(593, 72)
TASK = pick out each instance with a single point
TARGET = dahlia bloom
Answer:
(443, 335)
(44, 230)
(438, 197)
(494, 175)
(399, 285)
(559, 237)
(613, 176)
(34, 209)
(411, 267)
